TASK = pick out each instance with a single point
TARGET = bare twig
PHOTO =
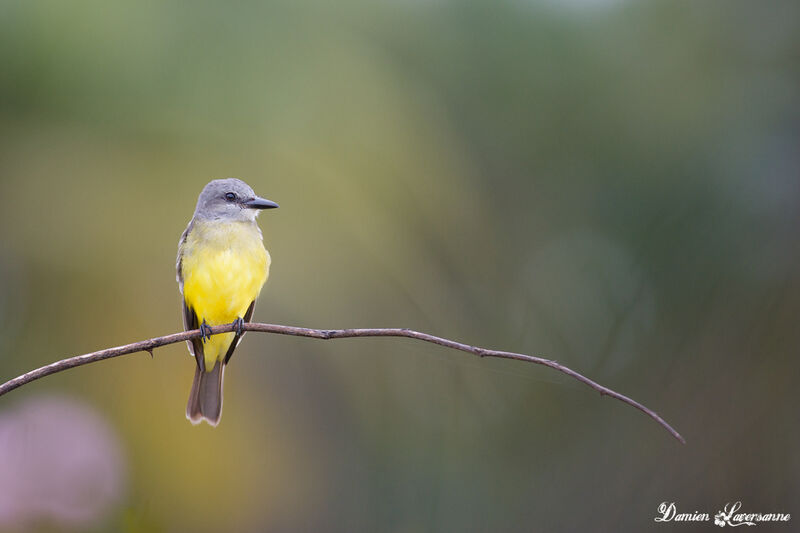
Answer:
(150, 344)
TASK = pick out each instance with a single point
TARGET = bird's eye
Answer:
(230, 196)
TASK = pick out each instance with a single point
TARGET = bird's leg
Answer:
(238, 326)
(205, 331)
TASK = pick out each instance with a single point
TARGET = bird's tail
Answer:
(205, 400)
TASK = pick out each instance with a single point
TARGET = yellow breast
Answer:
(224, 266)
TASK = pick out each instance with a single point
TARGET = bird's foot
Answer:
(205, 331)
(238, 326)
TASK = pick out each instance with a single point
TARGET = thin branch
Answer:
(150, 344)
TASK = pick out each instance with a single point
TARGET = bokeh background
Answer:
(612, 184)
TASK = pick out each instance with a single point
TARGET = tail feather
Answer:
(205, 399)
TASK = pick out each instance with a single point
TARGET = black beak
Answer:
(259, 203)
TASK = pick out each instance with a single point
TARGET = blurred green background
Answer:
(612, 184)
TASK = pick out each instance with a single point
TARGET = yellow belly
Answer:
(224, 266)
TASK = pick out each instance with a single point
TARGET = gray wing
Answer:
(179, 261)
(247, 316)
(190, 321)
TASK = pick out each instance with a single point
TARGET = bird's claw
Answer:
(238, 326)
(205, 331)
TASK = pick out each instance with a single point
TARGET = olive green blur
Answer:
(609, 183)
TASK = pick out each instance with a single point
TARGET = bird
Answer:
(222, 266)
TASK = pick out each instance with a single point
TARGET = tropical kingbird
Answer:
(222, 265)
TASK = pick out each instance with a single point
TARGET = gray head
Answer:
(230, 199)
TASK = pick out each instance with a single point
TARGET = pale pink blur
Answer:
(60, 464)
